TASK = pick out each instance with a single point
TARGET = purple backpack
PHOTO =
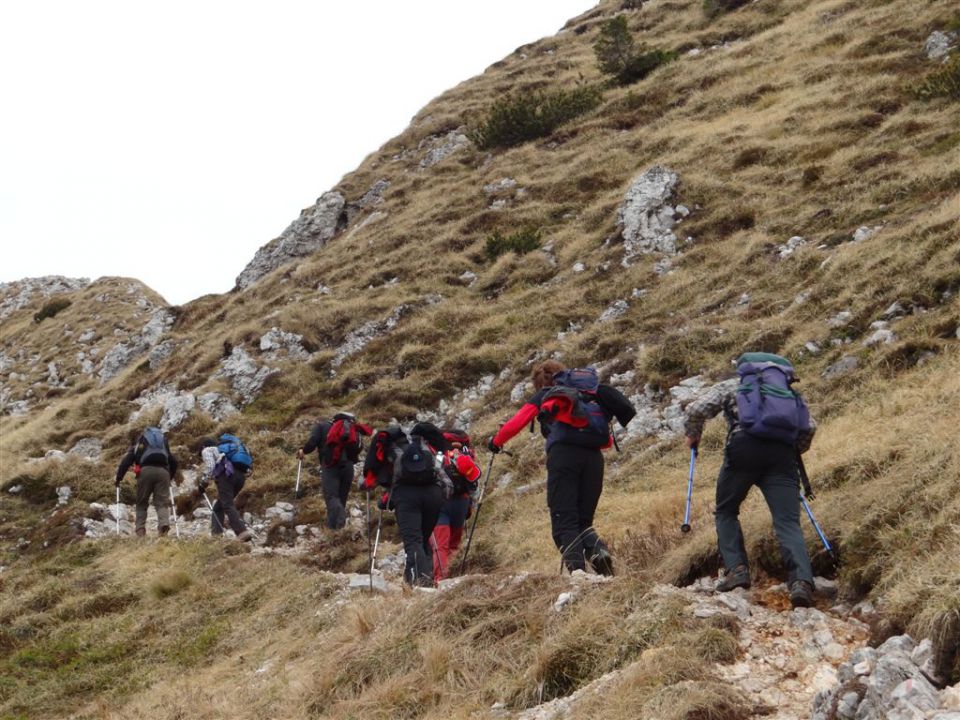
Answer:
(768, 407)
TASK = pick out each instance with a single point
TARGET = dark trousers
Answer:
(153, 481)
(417, 507)
(447, 533)
(772, 467)
(336, 482)
(574, 484)
(227, 490)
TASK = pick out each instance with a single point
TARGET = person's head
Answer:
(542, 374)
(207, 442)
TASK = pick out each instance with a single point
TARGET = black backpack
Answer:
(416, 464)
(152, 447)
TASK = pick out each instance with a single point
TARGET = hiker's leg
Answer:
(346, 482)
(144, 489)
(227, 489)
(591, 486)
(563, 485)
(330, 481)
(432, 502)
(733, 484)
(441, 549)
(458, 509)
(406, 500)
(780, 489)
(160, 481)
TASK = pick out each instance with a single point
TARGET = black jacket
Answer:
(133, 458)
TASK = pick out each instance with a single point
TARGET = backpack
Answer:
(223, 468)
(416, 463)
(768, 407)
(571, 412)
(153, 447)
(236, 452)
(461, 462)
(381, 455)
(343, 440)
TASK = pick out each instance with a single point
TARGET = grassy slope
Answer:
(805, 125)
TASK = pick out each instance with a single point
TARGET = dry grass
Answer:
(805, 123)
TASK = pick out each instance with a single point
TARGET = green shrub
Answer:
(618, 56)
(712, 8)
(943, 82)
(520, 242)
(51, 309)
(515, 120)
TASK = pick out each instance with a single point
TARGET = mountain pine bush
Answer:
(517, 119)
(617, 54)
(520, 242)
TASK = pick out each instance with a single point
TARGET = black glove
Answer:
(384, 502)
(118, 481)
(493, 447)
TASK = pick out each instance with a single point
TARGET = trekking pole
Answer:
(476, 515)
(118, 510)
(296, 490)
(376, 542)
(436, 549)
(210, 505)
(813, 521)
(369, 542)
(685, 528)
(176, 520)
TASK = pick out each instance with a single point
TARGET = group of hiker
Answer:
(429, 477)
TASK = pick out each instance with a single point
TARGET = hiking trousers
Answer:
(153, 481)
(574, 484)
(772, 467)
(227, 490)
(336, 482)
(417, 508)
(448, 533)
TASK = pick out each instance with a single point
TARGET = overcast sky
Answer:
(167, 141)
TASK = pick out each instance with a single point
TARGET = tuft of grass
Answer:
(170, 583)
(518, 119)
(715, 645)
(943, 82)
(51, 308)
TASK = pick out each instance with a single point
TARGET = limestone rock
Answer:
(245, 376)
(177, 409)
(160, 354)
(278, 340)
(939, 44)
(440, 147)
(216, 406)
(646, 218)
(116, 359)
(845, 365)
(358, 339)
(20, 293)
(615, 310)
(864, 232)
(791, 246)
(87, 448)
(315, 227)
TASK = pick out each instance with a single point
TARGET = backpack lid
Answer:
(584, 379)
(762, 357)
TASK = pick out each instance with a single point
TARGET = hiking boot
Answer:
(602, 561)
(141, 532)
(801, 594)
(739, 577)
(164, 529)
(245, 536)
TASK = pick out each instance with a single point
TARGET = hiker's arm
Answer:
(173, 459)
(124, 465)
(315, 440)
(805, 439)
(616, 403)
(704, 408)
(518, 422)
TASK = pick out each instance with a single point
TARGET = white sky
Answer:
(168, 140)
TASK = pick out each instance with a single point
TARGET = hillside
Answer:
(785, 183)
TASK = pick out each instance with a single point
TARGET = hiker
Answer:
(766, 432)
(338, 443)
(153, 466)
(460, 465)
(410, 469)
(229, 477)
(575, 411)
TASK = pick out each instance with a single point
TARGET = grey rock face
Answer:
(176, 410)
(615, 310)
(245, 376)
(116, 359)
(646, 218)
(304, 236)
(939, 44)
(662, 416)
(88, 449)
(845, 365)
(278, 340)
(358, 339)
(122, 354)
(17, 295)
(160, 354)
(441, 147)
(216, 406)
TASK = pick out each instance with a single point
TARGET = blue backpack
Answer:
(236, 452)
(153, 446)
(768, 407)
(572, 411)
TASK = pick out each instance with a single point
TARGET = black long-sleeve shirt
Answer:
(317, 439)
(133, 458)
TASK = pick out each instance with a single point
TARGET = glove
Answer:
(367, 482)
(118, 481)
(385, 502)
(300, 454)
(493, 447)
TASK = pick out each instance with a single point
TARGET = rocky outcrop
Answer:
(216, 406)
(17, 295)
(440, 147)
(278, 342)
(661, 415)
(245, 376)
(646, 218)
(177, 405)
(939, 44)
(123, 353)
(358, 339)
(315, 227)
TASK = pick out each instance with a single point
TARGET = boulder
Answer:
(440, 147)
(939, 44)
(87, 448)
(645, 217)
(278, 340)
(845, 365)
(177, 409)
(245, 376)
(315, 227)
(615, 310)
(216, 406)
